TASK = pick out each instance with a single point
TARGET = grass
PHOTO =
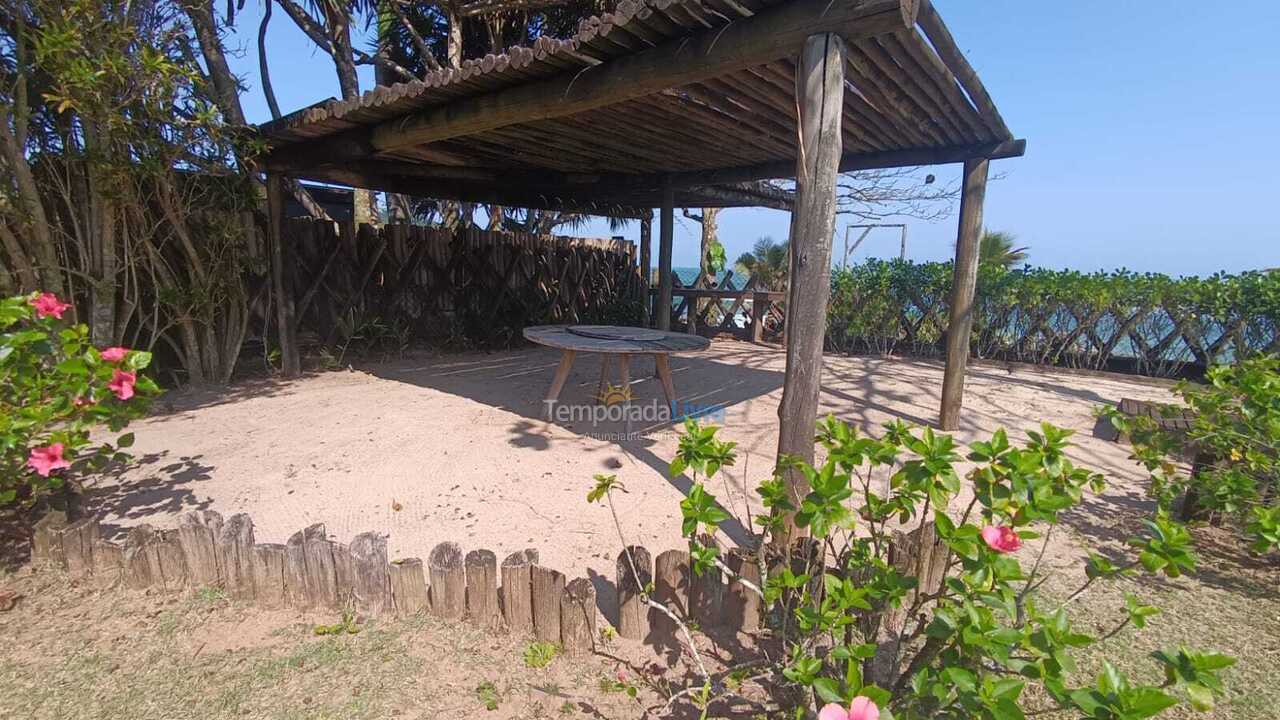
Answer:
(75, 653)
(1225, 609)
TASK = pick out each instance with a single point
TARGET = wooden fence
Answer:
(425, 282)
(751, 313)
(310, 571)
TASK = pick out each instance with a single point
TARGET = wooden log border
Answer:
(517, 596)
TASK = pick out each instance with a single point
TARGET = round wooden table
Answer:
(611, 341)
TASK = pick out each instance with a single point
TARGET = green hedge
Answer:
(1148, 324)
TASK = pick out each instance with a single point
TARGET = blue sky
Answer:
(1151, 133)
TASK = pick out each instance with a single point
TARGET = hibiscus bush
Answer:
(1234, 440)
(55, 388)
(866, 638)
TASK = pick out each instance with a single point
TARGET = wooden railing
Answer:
(749, 314)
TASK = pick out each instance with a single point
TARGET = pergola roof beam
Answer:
(769, 35)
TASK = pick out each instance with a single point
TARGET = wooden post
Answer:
(646, 242)
(666, 230)
(517, 608)
(741, 604)
(321, 575)
(819, 99)
(173, 563)
(46, 539)
(372, 582)
(78, 539)
(295, 571)
(482, 587)
(108, 563)
(633, 614)
(408, 586)
(269, 561)
(281, 273)
(198, 533)
(671, 588)
(963, 285)
(235, 547)
(578, 617)
(141, 562)
(548, 584)
(759, 307)
(706, 593)
(448, 581)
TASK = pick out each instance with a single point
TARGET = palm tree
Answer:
(767, 263)
(996, 248)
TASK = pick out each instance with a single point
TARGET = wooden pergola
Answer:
(683, 103)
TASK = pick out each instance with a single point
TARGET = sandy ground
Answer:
(433, 448)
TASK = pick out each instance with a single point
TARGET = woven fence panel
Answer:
(425, 282)
(1144, 324)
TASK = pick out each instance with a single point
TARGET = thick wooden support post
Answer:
(666, 236)
(548, 584)
(578, 617)
(517, 607)
(482, 588)
(448, 581)
(819, 98)
(281, 273)
(963, 284)
(646, 245)
(633, 613)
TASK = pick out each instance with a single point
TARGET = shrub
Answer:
(55, 388)
(857, 624)
(1235, 440)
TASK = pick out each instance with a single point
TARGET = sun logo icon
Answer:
(614, 394)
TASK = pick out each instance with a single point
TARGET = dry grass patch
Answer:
(76, 653)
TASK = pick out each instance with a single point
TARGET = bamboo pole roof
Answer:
(698, 92)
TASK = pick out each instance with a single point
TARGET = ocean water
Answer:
(687, 276)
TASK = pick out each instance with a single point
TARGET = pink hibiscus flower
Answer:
(114, 354)
(122, 383)
(860, 709)
(48, 305)
(1001, 538)
(45, 460)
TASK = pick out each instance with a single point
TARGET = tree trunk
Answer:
(710, 231)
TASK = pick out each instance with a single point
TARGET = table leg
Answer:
(664, 376)
(624, 374)
(557, 383)
(604, 376)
